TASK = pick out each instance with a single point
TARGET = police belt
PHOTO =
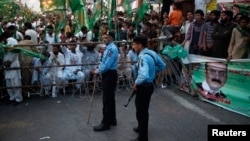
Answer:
(109, 71)
(146, 84)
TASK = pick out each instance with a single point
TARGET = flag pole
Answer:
(101, 8)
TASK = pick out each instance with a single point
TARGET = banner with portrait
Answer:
(225, 84)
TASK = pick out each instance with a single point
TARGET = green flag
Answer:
(5, 48)
(127, 7)
(111, 13)
(59, 4)
(28, 52)
(60, 21)
(142, 10)
(15, 8)
(85, 16)
(27, 13)
(96, 14)
(140, 13)
(2, 51)
(6, 1)
(81, 19)
(104, 8)
(113, 8)
(8, 9)
(1, 30)
(75, 5)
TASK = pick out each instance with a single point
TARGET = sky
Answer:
(34, 5)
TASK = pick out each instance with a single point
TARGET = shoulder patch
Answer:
(110, 52)
(141, 62)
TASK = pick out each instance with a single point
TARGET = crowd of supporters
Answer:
(220, 34)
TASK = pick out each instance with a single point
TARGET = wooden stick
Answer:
(92, 99)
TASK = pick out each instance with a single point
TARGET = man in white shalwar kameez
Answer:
(124, 68)
(13, 76)
(72, 57)
(41, 73)
(56, 71)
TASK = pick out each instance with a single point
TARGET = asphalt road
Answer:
(174, 116)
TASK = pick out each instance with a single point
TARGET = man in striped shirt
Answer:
(206, 42)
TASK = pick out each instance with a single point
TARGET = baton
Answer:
(92, 99)
(130, 97)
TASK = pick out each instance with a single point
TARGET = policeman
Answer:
(108, 71)
(148, 65)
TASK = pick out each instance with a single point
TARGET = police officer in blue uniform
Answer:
(108, 71)
(148, 65)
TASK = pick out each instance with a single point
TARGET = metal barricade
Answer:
(172, 74)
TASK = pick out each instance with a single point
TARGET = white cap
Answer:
(123, 42)
(10, 24)
(101, 46)
(12, 41)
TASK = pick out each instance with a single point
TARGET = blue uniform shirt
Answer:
(109, 59)
(148, 65)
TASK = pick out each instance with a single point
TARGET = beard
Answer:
(224, 21)
(55, 52)
(90, 48)
(214, 20)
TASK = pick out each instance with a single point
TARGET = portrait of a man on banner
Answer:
(215, 79)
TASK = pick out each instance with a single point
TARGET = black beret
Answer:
(141, 39)
(112, 34)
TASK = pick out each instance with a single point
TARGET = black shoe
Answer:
(136, 129)
(113, 123)
(16, 103)
(101, 127)
(10, 102)
(137, 139)
(43, 96)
